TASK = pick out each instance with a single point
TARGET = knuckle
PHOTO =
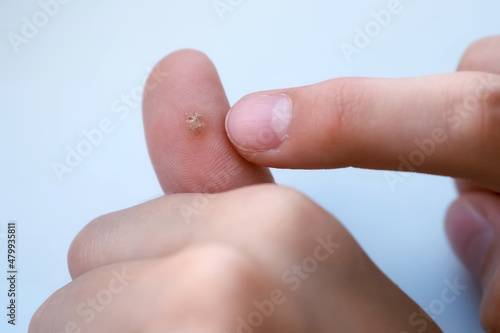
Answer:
(345, 100)
(492, 119)
(215, 262)
(190, 284)
(83, 253)
(487, 124)
(476, 118)
(347, 94)
(78, 262)
(292, 219)
(207, 277)
(219, 266)
(101, 241)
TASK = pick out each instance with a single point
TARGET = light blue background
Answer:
(66, 78)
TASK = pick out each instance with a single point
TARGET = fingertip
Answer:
(259, 123)
(182, 64)
(184, 109)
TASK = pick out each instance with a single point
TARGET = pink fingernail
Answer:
(259, 123)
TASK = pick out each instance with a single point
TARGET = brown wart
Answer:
(194, 123)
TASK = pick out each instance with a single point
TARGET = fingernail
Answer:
(473, 236)
(259, 123)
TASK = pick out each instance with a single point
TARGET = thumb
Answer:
(184, 125)
(473, 227)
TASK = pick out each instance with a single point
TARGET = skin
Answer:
(198, 262)
(368, 123)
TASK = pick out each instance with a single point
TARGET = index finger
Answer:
(445, 125)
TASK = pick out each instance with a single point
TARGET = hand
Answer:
(261, 258)
(445, 125)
